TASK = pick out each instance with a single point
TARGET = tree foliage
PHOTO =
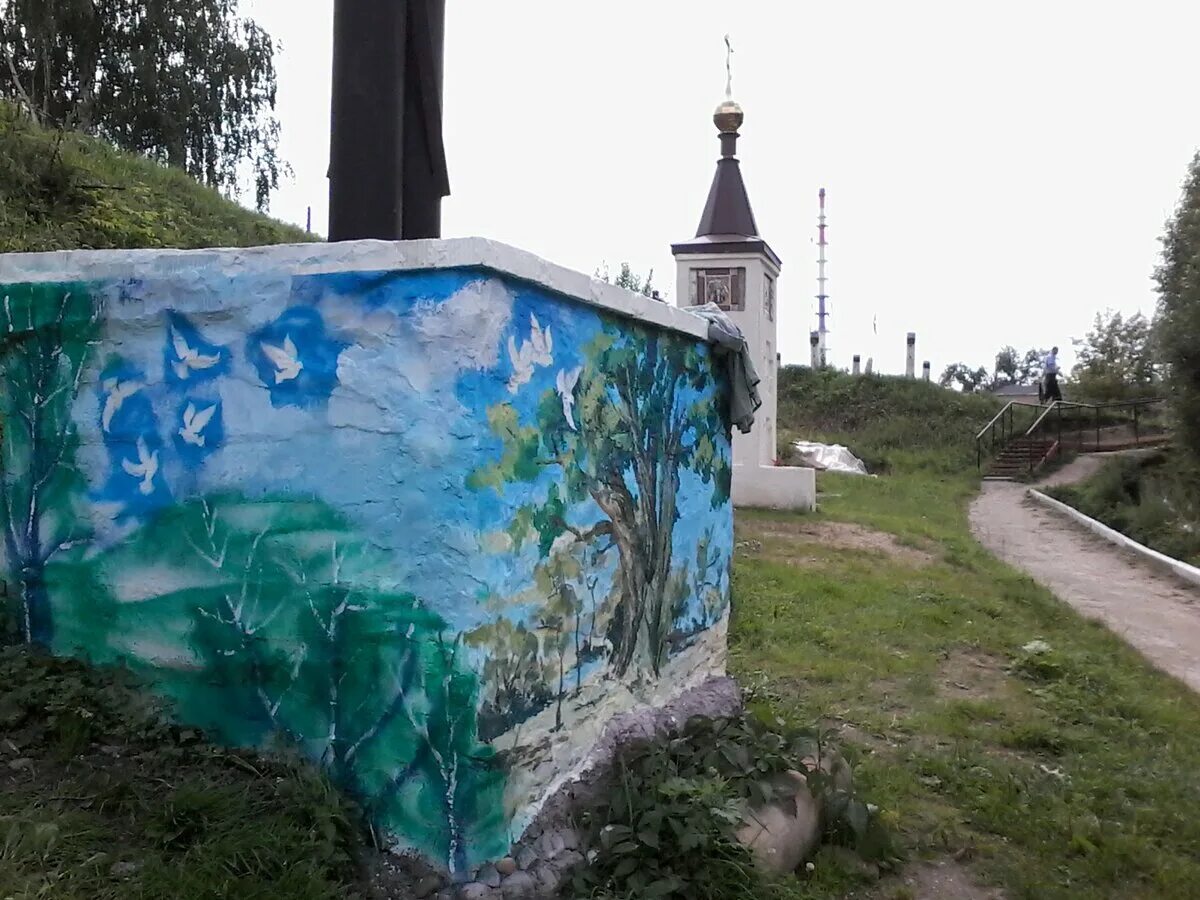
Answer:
(629, 281)
(187, 82)
(1115, 359)
(1178, 330)
(964, 378)
(1008, 366)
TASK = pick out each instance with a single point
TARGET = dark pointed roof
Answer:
(728, 209)
(727, 224)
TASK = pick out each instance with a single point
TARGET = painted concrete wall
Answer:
(432, 513)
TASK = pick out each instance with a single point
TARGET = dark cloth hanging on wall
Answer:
(732, 350)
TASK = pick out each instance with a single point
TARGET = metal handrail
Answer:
(1000, 415)
(1062, 404)
(1056, 406)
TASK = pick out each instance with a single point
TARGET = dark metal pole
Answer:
(387, 167)
(1097, 427)
(1137, 441)
(426, 180)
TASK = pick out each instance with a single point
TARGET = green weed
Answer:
(101, 798)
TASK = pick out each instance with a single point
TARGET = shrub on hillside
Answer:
(1154, 499)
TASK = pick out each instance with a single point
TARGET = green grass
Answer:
(100, 799)
(954, 729)
(1153, 498)
(66, 191)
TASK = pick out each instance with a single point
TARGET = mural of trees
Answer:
(271, 635)
(46, 333)
(240, 507)
(642, 409)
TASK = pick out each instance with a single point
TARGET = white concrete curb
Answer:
(1175, 567)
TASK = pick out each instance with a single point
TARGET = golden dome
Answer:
(729, 117)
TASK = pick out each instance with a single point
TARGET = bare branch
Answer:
(15, 78)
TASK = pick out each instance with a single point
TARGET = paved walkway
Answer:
(1155, 613)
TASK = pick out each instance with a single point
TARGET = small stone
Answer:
(489, 875)
(475, 891)
(447, 894)
(507, 866)
(544, 846)
(428, 886)
(519, 886)
(124, 869)
(526, 858)
(569, 861)
(782, 834)
(548, 879)
(570, 839)
(19, 765)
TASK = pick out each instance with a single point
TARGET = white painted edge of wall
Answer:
(1178, 568)
(361, 256)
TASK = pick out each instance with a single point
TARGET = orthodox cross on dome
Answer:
(728, 69)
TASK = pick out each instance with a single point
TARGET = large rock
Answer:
(783, 833)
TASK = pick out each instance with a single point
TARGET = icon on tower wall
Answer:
(724, 287)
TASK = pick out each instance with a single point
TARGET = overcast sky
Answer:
(997, 173)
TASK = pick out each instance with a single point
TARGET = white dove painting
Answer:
(116, 393)
(194, 423)
(285, 359)
(565, 386)
(187, 358)
(145, 469)
(537, 351)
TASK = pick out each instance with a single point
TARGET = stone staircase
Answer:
(1020, 456)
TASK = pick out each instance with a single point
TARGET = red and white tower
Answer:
(822, 294)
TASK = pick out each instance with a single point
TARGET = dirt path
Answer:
(1153, 612)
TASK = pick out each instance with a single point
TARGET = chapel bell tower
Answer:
(730, 264)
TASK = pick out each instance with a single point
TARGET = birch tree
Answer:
(46, 334)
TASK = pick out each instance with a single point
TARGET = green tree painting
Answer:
(46, 334)
(268, 629)
(642, 410)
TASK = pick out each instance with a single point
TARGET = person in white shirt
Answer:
(1050, 370)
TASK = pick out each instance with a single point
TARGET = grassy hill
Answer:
(1002, 736)
(67, 191)
(890, 423)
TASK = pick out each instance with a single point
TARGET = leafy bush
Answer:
(1154, 499)
(663, 823)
